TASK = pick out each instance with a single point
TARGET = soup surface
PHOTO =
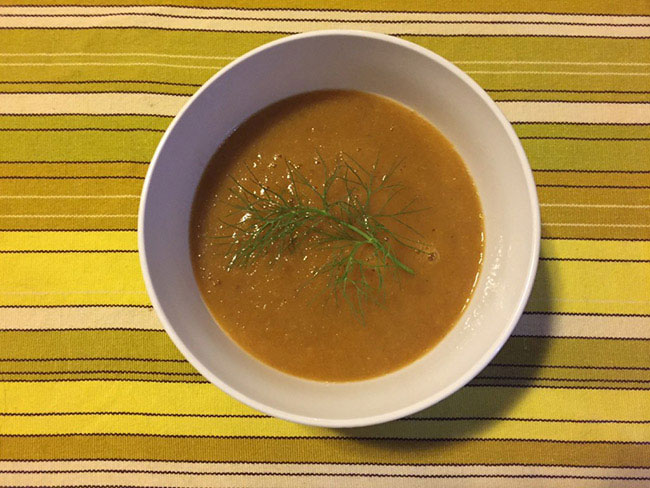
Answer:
(291, 304)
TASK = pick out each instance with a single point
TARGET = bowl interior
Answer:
(414, 77)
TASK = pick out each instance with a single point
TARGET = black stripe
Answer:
(173, 83)
(591, 102)
(119, 161)
(601, 239)
(549, 387)
(262, 416)
(580, 123)
(286, 32)
(162, 373)
(591, 338)
(81, 129)
(87, 82)
(83, 329)
(67, 251)
(294, 474)
(68, 230)
(71, 177)
(616, 187)
(546, 90)
(328, 463)
(139, 92)
(148, 360)
(593, 260)
(533, 378)
(296, 9)
(560, 170)
(606, 139)
(119, 380)
(86, 115)
(623, 368)
(588, 314)
(346, 438)
(141, 414)
(83, 305)
(206, 382)
(346, 21)
(520, 419)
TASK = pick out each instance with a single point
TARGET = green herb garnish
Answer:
(348, 216)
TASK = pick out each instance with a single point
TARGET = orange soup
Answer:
(336, 236)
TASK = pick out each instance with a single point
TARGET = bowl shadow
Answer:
(488, 398)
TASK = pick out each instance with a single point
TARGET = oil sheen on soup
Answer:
(336, 236)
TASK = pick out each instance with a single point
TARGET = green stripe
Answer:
(235, 44)
(43, 344)
(102, 87)
(564, 95)
(576, 352)
(140, 145)
(559, 154)
(83, 121)
(157, 345)
(577, 130)
(134, 40)
(70, 187)
(81, 369)
(305, 450)
(78, 146)
(96, 365)
(68, 169)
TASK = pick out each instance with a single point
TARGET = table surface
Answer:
(92, 391)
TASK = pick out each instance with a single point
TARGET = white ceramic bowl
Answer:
(374, 63)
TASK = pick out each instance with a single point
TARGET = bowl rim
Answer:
(462, 380)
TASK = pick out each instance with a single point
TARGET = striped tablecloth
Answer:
(92, 391)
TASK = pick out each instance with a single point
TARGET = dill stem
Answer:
(369, 239)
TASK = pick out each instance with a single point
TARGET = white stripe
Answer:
(116, 54)
(96, 103)
(231, 474)
(163, 65)
(590, 205)
(192, 66)
(600, 113)
(583, 326)
(582, 73)
(586, 300)
(78, 318)
(67, 216)
(298, 14)
(581, 224)
(305, 20)
(567, 63)
(196, 56)
(68, 196)
(73, 292)
(138, 103)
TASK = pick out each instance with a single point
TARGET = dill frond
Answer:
(347, 216)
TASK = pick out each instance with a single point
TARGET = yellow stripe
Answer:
(67, 240)
(48, 279)
(595, 249)
(590, 287)
(205, 398)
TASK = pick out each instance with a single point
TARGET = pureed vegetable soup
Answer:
(336, 235)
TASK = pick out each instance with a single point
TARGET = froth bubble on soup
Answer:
(336, 236)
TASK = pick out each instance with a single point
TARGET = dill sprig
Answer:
(348, 216)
